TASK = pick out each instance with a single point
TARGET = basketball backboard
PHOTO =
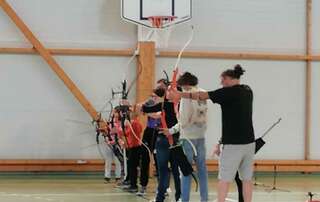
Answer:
(139, 11)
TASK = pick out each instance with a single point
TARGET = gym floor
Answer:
(90, 187)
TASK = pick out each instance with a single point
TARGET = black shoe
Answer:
(107, 180)
(142, 191)
(131, 189)
(123, 184)
(154, 200)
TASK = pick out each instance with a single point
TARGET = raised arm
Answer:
(176, 95)
(152, 109)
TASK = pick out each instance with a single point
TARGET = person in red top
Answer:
(133, 131)
(131, 141)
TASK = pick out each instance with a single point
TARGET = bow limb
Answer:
(184, 48)
(139, 139)
(176, 69)
(111, 111)
(101, 128)
(139, 72)
(137, 76)
(173, 86)
(165, 126)
(99, 149)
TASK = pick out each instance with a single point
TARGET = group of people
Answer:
(186, 126)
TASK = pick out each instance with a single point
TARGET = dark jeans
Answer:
(149, 137)
(163, 158)
(127, 179)
(133, 163)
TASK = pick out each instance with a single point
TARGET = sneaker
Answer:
(123, 184)
(119, 184)
(131, 189)
(118, 179)
(168, 191)
(142, 191)
(154, 200)
(107, 180)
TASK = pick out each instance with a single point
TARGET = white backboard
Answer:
(138, 11)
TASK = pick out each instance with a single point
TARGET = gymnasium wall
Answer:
(315, 129)
(316, 85)
(316, 27)
(39, 117)
(69, 23)
(38, 114)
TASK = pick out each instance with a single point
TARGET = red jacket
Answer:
(133, 139)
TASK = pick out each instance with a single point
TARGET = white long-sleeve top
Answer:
(192, 120)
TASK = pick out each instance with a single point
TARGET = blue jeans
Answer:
(200, 161)
(163, 158)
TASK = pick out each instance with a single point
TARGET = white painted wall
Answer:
(316, 26)
(35, 104)
(247, 25)
(36, 108)
(70, 23)
(315, 129)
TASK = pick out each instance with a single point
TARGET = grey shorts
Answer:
(236, 158)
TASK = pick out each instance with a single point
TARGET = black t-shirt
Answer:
(236, 106)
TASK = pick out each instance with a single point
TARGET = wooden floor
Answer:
(90, 187)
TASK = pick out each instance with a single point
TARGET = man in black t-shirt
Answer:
(237, 130)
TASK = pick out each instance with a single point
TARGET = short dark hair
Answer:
(165, 81)
(234, 73)
(117, 109)
(160, 92)
(187, 79)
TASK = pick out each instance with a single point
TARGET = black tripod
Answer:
(256, 183)
(274, 186)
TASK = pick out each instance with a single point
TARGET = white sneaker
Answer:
(142, 191)
(168, 192)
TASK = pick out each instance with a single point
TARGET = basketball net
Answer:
(161, 30)
(160, 21)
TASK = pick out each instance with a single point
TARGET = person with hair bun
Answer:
(238, 141)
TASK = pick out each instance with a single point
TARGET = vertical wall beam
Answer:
(146, 64)
(308, 79)
(45, 54)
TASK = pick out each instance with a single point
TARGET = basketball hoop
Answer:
(160, 21)
(161, 29)
(156, 18)
(156, 14)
